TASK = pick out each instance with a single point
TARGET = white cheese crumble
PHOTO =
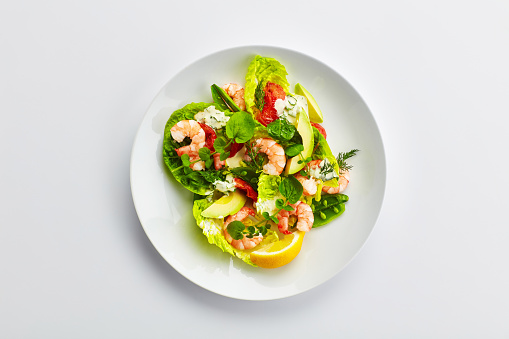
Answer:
(291, 106)
(319, 174)
(225, 186)
(212, 117)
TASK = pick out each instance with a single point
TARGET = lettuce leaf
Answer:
(262, 70)
(268, 186)
(322, 150)
(213, 230)
(195, 181)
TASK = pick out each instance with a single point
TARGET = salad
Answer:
(259, 165)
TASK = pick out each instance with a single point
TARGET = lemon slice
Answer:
(315, 114)
(278, 253)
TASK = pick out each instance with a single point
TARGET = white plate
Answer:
(165, 207)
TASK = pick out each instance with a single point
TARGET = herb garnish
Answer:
(341, 159)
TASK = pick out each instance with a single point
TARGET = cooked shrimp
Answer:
(193, 130)
(308, 184)
(236, 92)
(218, 163)
(305, 217)
(343, 180)
(244, 243)
(275, 154)
(190, 129)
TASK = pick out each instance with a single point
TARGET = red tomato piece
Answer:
(235, 148)
(272, 93)
(320, 129)
(244, 186)
(210, 136)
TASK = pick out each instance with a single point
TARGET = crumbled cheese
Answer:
(212, 117)
(225, 186)
(267, 205)
(291, 106)
(317, 171)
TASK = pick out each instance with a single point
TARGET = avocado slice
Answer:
(315, 114)
(306, 132)
(226, 205)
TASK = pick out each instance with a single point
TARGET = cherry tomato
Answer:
(272, 93)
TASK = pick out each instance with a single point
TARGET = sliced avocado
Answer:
(306, 132)
(226, 205)
(315, 114)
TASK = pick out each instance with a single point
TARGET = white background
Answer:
(76, 79)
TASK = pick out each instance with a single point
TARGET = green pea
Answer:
(325, 203)
(335, 209)
(322, 215)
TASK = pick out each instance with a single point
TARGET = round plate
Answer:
(165, 207)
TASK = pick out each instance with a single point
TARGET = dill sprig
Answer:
(341, 159)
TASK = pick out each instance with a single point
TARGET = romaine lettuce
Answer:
(195, 181)
(262, 70)
(213, 230)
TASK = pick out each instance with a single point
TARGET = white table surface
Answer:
(76, 79)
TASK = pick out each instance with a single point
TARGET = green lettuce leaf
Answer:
(268, 186)
(213, 230)
(322, 151)
(262, 70)
(195, 181)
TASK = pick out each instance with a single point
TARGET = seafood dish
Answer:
(257, 160)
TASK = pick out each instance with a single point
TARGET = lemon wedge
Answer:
(315, 114)
(278, 253)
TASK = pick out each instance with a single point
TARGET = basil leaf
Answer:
(291, 189)
(240, 127)
(235, 229)
(280, 203)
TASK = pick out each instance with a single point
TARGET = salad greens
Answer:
(230, 151)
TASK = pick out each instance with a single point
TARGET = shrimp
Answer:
(218, 163)
(343, 180)
(309, 185)
(193, 130)
(305, 217)
(275, 153)
(236, 92)
(244, 243)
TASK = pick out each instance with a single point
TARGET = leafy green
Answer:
(281, 129)
(222, 99)
(212, 229)
(195, 181)
(260, 71)
(268, 186)
(322, 151)
(240, 127)
(235, 229)
(291, 189)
